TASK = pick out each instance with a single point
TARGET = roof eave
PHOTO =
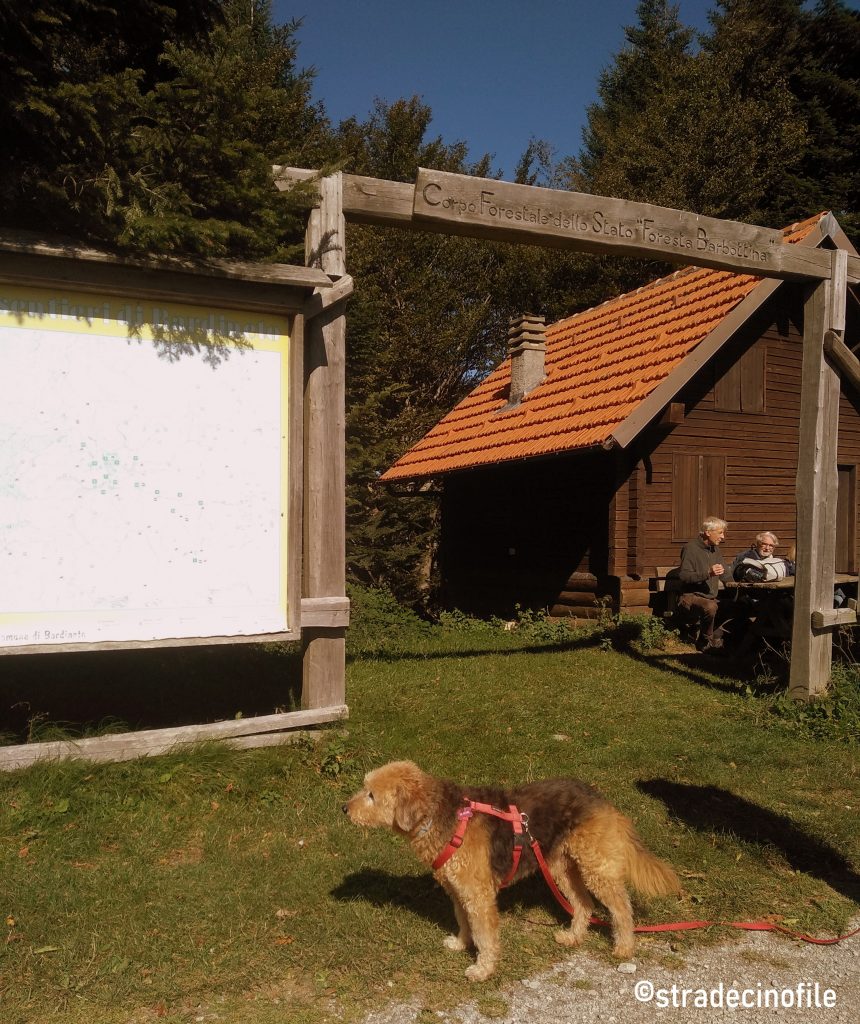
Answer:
(626, 432)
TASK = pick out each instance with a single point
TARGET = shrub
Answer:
(836, 716)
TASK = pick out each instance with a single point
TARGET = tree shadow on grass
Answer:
(408, 653)
(712, 809)
(724, 671)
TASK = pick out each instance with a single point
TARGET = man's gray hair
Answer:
(759, 537)
(712, 523)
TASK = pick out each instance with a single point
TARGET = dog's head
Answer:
(395, 796)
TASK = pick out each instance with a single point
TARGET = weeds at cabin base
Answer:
(226, 883)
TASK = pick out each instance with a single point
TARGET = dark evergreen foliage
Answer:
(759, 123)
(153, 126)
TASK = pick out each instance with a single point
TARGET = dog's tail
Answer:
(647, 873)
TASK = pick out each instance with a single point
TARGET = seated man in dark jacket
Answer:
(700, 572)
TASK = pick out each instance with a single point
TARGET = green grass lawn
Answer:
(230, 883)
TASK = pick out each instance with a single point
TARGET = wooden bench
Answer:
(668, 583)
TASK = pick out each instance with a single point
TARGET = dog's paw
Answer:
(623, 950)
(479, 972)
(454, 943)
(565, 937)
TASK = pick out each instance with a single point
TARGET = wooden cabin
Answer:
(578, 468)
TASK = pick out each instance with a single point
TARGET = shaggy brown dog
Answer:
(590, 847)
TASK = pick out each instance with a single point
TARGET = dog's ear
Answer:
(411, 800)
(408, 815)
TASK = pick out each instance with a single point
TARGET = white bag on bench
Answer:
(764, 570)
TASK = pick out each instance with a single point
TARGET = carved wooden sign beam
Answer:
(491, 209)
(486, 208)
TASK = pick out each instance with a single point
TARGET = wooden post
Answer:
(323, 578)
(811, 648)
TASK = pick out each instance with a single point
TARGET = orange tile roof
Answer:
(600, 364)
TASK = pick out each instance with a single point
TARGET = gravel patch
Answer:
(758, 968)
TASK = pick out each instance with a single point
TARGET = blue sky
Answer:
(494, 72)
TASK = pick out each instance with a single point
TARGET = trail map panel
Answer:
(143, 470)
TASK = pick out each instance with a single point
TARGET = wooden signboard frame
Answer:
(497, 210)
(302, 295)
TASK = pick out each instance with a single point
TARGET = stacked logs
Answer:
(587, 596)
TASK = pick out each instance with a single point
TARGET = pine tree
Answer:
(164, 143)
(760, 124)
(826, 81)
(61, 63)
(421, 323)
(745, 129)
(617, 157)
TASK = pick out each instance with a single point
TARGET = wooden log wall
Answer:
(636, 597)
(760, 449)
(531, 533)
(758, 444)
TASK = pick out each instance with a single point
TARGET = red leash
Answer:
(747, 926)
(520, 824)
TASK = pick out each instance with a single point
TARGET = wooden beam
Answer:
(673, 414)
(816, 489)
(324, 546)
(325, 611)
(286, 178)
(320, 301)
(375, 201)
(844, 360)
(838, 291)
(157, 285)
(22, 242)
(834, 617)
(127, 746)
(365, 200)
(144, 645)
(485, 208)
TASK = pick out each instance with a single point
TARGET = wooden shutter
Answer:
(698, 491)
(727, 390)
(685, 502)
(752, 366)
(741, 388)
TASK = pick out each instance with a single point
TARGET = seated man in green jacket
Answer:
(700, 572)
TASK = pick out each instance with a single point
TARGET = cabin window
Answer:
(846, 520)
(741, 387)
(698, 491)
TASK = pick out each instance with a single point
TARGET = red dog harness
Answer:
(520, 824)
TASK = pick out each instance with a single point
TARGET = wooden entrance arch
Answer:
(498, 210)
